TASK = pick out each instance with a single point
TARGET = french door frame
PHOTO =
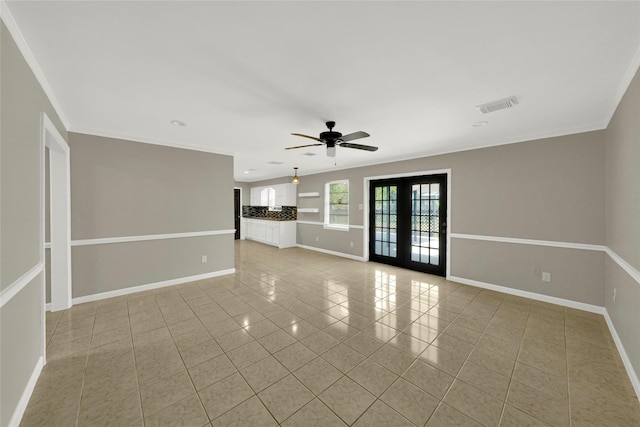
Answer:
(366, 209)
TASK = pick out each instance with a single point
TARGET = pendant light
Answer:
(296, 180)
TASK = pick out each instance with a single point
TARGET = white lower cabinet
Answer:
(281, 234)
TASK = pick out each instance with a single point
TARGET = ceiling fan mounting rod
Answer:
(330, 125)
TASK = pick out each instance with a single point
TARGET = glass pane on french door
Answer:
(386, 221)
(425, 223)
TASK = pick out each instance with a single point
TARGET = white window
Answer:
(336, 205)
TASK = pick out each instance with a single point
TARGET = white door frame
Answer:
(60, 212)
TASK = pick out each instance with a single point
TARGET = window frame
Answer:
(327, 206)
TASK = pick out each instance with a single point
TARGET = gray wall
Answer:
(123, 188)
(21, 103)
(623, 218)
(548, 189)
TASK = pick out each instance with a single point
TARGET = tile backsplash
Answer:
(288, 213)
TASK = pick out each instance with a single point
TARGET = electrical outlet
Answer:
(317, 238)
(204, 259)
(546, 277)
(351, 244)
(614, 294)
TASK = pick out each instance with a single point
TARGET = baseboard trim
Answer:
(532, 295)
(328, 252)
(150, 286)
(18, 413)
(633, 377)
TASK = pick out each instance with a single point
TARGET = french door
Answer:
(408, 222)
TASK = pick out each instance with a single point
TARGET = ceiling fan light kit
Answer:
(335, 139)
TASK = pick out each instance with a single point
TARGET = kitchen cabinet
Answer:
(274, 195)
(281, 234)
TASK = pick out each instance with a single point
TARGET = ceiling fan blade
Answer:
(355, 135)
(307, 136)
(359, 146)
(302, 146)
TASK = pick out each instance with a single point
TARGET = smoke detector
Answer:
(500, 104)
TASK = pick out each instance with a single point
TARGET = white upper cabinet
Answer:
(274, 195)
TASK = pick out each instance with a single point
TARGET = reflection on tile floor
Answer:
(299, 338)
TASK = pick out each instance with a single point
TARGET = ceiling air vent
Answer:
(273, 162)
(309, 154)
(500, 104)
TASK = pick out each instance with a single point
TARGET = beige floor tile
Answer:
(276, 341)
(295, 356)
(211, 371)
(224, 395)
(539, 405)
(430, 379)
(372, 376)
(410, 401)
(448, 342)
(393, 359)
(317, 375)
(300, 329)
(105, 358)
(264, 373)
(251, 412)
(261, 329)
(381, 415)
(234, 339)
(408, 344)
(484, 379)
(343, 357)
(542, 381)
(441, 359)
(199, 353)
(320, 342)
(120, 410)
(513, 417)
(314, 414)
(474, 403)
(380, 332)
(165, 392)
(446, 416)
(285, 397)
(178, 316)
(364, 344)
(347, 399)
(493, 361)
(187, 412)
(247, 354)
(151, 372)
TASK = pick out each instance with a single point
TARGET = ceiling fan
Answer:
(335, 139)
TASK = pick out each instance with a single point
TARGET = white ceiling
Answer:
(244, 75)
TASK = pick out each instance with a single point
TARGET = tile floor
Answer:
(297, 338)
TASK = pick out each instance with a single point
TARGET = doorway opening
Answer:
(408, 222)
(237, 211)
